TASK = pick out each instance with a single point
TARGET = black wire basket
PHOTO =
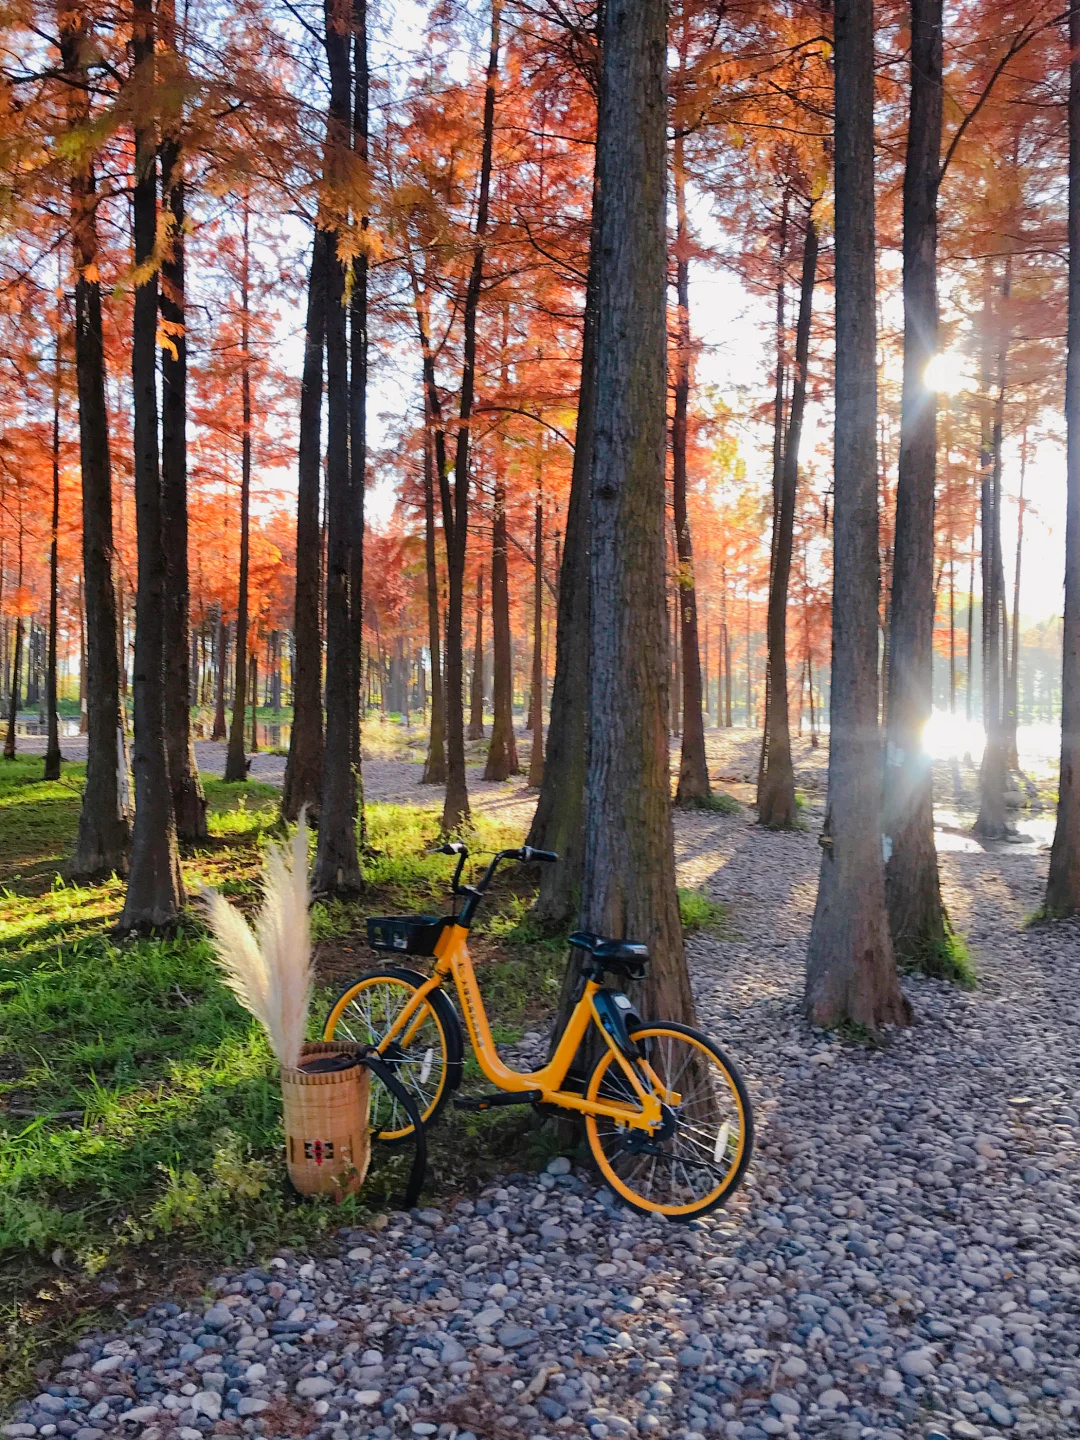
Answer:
(407, 934)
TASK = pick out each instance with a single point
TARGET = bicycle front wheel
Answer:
(426, 1057)
(700, 1152)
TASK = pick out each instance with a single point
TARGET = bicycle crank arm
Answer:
(492, 1102)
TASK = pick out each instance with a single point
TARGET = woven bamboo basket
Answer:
(327, 1130)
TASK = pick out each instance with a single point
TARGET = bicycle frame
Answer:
(452, 960)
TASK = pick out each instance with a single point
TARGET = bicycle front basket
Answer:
(407, 934)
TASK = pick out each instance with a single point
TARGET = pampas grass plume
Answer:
(269, 971)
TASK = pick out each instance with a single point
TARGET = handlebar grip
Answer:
(528, 854)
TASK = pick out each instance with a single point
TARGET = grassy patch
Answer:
(852, 1033)
(1046, 915)
(719, 802)
(139, 1107)
(950, 960)
(698, 912)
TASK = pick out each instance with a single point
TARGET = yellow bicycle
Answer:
(666, 1113)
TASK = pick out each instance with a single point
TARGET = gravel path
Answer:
(902, 1262)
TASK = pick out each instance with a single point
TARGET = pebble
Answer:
(918, 1363)
(901, 1264)
(208, 1403)
(313, 1387)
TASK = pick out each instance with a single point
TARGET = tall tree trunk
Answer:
(850, 972)
(476, 687)
(1063, 885)
(303, 769)
(777, 451)
(82, 661)
(337, 863)
(725, 642)
(776, 790)
(1012, 755)
(558, 822)
(536, 708)
(502, 760)
(358, 372)
(970, 631)
(101, 847)
(236, 765)
(253, 691)
(693, 787)
(16, 668)
(629, 874)
(917, 918)
(456, 806)
(52, 753)
(155, 892)
(991, 823)
(221, 645)
(435, 764)
(189, 800)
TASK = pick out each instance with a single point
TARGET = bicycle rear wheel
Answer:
(426, 1057)
(701, 1150)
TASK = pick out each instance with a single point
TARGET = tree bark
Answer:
(1063, 885)
(536, 706)
(776, 789)
(693, 787)
(303, 769)
(777, 454)
(991, 823)
(476, 688)
(221, 645)
(52, 752)
(16, 668)
(850, 972)
(917, 918)
(358, 373)
(101, 847)
(337, 863)
(253, 691)
(435, 764)
(502, 760)
(559, 820)
(456, 805)
(155, 892)
(1012, 755)
(629, 874)
(236, 763)
(189, 799)
(970, 631)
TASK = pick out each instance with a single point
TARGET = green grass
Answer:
(698, 912)
(860, 1036)
(950, 960)
(1046, 915)
(139, 1106)
(719, 802)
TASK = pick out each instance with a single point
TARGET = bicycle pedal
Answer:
(500, 1097)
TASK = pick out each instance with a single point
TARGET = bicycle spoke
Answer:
(373, 1011)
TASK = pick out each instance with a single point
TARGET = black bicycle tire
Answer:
(385, 1075)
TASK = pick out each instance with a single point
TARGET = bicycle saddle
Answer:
(619, 955)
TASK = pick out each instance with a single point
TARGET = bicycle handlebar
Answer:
(526, 854)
